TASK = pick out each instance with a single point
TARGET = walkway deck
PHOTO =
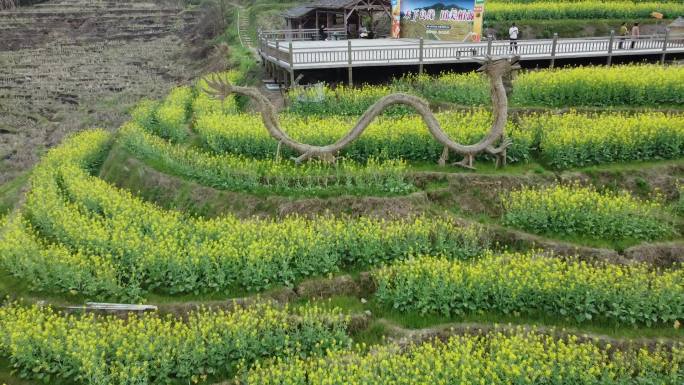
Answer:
(301, 55)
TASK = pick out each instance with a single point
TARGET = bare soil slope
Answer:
(67, 65)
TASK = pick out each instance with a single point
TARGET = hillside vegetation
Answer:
(387, 264)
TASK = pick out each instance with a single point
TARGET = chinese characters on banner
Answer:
(454, 20)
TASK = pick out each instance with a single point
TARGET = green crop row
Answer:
(405, 137)
(169, 118)
(563, 141)
(534, 284)
(576, 210)
(577, 140)
(239, 173)
(151, 349)
(625, 85)
(146, 137)
(79, 234)
(587, 9)
(518, 357)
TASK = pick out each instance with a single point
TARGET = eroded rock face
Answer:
(68, 65)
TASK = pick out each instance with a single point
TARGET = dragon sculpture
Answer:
(498, 69)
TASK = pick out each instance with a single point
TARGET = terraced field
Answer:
(565, 266)
(71, 64)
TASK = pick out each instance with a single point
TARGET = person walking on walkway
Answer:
(322, 35)
(624, 32)
(635, 34)
(513, 33)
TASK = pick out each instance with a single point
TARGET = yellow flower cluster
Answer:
(624, 85)
(151, 349)
(405, 137)
(584, 211)
(632, 85)
(323, 100)
(173, 113)
(576, 140)
(534, 283)
(518, 357)
(204, 103)
(564, 141)
(79, 234)
(144, 114)
(274, 176)
(579, 9)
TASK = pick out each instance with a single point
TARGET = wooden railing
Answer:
(277, 46)
(300, 34)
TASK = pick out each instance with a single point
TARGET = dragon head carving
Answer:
(499, 66)
(503, 67)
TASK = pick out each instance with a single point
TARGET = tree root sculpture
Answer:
(495, 69)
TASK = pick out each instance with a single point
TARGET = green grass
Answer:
(188, 196)
(630, 166)
(6, 376)
(114, 171)
(16, 289)
(352, 305)
(10, 193)
(13, 288)
(481, 167)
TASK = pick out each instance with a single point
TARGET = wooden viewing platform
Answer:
(286, 52)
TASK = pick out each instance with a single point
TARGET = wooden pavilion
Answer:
(335, 14)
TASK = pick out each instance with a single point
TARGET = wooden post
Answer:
(553, 50)
(360, 21)
(610, 48)
(277, 51)
(292, 74)
(667, 36)
(420, 57)
(349, 57)
(346, 21)
(489, 45)
(317, 27)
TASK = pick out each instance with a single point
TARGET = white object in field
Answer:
(114, 307)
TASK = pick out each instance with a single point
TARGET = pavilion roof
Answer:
(303, 10)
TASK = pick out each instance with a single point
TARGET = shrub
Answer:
(496, 358)
(173, 114)
(151, 349)
(623, 85)
(577, 140)
(275, 176)
(404, 137)
(584, 9)
(583, 211)
(79, 234)
(534, 284)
